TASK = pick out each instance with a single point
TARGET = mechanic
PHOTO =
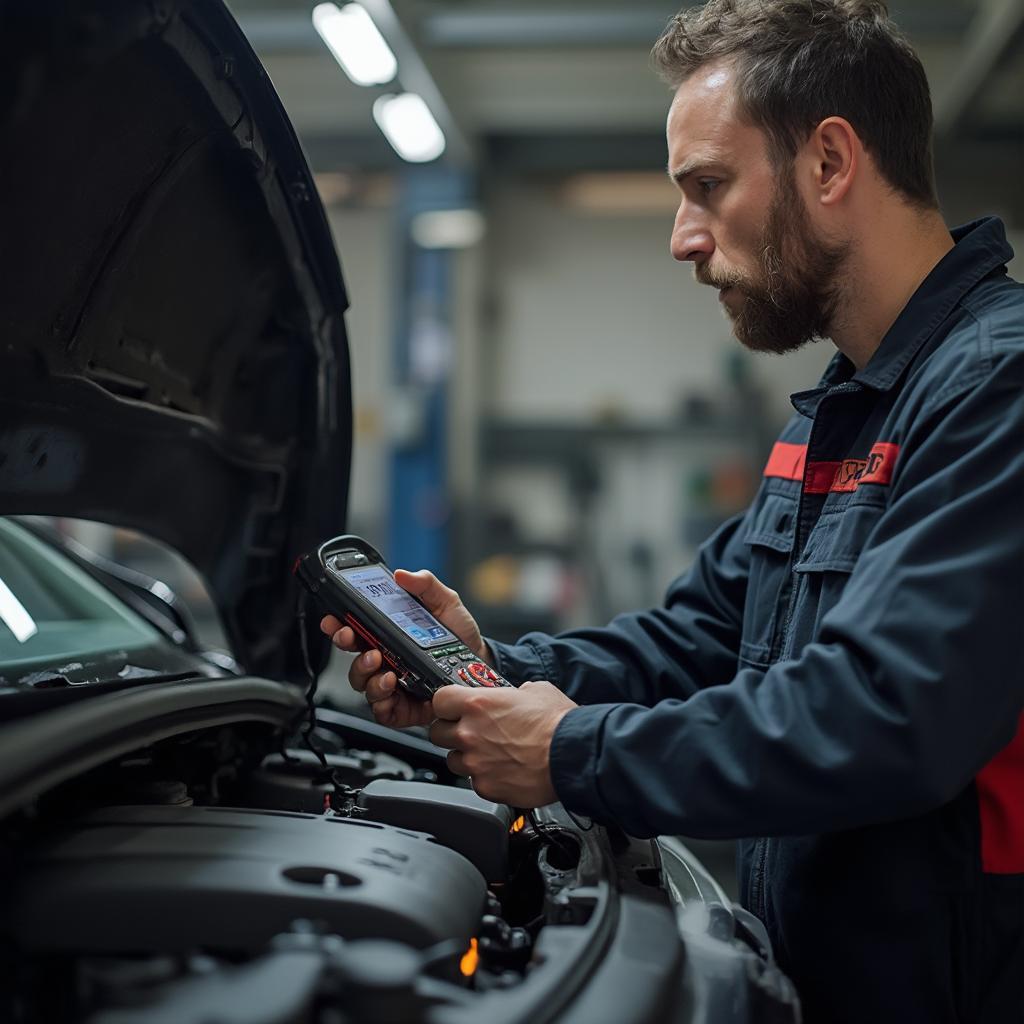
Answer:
(838, 674)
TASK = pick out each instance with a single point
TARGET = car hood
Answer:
(173, 354)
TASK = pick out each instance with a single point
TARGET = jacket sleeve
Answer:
(911, 685)
(642, 657)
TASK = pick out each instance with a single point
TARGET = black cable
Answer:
(549, 834)
(313, 682)
(282, 749)
(576, 821)
(346, 794)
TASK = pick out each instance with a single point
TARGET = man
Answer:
(838, 674)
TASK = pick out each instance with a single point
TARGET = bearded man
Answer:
(836, 682)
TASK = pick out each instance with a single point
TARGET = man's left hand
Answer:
(501, 738)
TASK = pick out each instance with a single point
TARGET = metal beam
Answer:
(285, 31)
(545, 26)
(997, 29)
(416, 76)
(545, 29)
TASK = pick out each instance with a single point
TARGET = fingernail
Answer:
(365, 659)
(387, 685)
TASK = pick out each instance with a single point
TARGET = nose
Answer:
(691, 240)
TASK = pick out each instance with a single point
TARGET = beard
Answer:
(794, 299)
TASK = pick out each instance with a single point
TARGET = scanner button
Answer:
(481, 674)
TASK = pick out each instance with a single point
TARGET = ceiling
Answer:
(534, 86)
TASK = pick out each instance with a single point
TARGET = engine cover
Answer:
(128, 879)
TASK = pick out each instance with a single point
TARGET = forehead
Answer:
(704, 122)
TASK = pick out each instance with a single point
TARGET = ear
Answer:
(836, 154)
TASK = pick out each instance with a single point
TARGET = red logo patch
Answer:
(789, 462)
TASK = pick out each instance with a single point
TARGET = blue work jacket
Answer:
(838, 674)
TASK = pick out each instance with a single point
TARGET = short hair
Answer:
(798, 62)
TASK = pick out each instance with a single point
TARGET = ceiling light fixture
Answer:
(356, 43)
(409, 126)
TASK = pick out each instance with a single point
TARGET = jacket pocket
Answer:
(823, 569)
(770, 539)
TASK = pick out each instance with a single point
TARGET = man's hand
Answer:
(391, 705)
(501, 738)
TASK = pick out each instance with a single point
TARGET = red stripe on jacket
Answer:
(1000, 786)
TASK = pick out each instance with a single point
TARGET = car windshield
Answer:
(52, 612)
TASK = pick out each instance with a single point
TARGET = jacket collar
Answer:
(980, 248)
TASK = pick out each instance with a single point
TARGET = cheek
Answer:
(739, 247)
(745, 231)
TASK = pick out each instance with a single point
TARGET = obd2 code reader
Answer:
(351, 581)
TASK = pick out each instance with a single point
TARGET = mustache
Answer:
(703, 274)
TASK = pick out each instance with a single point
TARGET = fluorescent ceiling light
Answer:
(448, 229)
(14, 615)
(409, 126)
(358, 47)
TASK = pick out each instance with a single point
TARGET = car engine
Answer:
(221, 875)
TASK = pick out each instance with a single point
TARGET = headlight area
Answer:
(224, 874)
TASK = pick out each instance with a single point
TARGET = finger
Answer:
(457, 763)
(399, 711)
(362, 668)
(381, 686)
(450, 701)
(442, 734)
(384, 711)
(534, 684)
(330, 624)
(412, 712)
(421, 712)
(429, 589)
(345, 640)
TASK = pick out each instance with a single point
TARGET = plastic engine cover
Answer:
(174, 878)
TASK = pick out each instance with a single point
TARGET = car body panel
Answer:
(175, 357)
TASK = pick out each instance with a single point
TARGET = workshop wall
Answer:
(593, 319)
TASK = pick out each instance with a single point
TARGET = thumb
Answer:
(449, 702)
(429, 589)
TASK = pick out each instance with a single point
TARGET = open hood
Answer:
(173, 355)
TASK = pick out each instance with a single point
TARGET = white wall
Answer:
(593, 317)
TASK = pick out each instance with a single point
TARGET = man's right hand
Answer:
(391, 705)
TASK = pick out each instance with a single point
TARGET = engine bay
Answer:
(224, 874)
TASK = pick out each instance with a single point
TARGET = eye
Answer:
(708, 185)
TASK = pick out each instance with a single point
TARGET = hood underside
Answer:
(173, 353)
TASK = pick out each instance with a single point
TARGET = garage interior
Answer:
(548, 411)
(552, 414)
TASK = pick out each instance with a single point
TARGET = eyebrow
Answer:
(690, 167)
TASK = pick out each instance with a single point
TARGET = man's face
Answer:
(743, 223)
